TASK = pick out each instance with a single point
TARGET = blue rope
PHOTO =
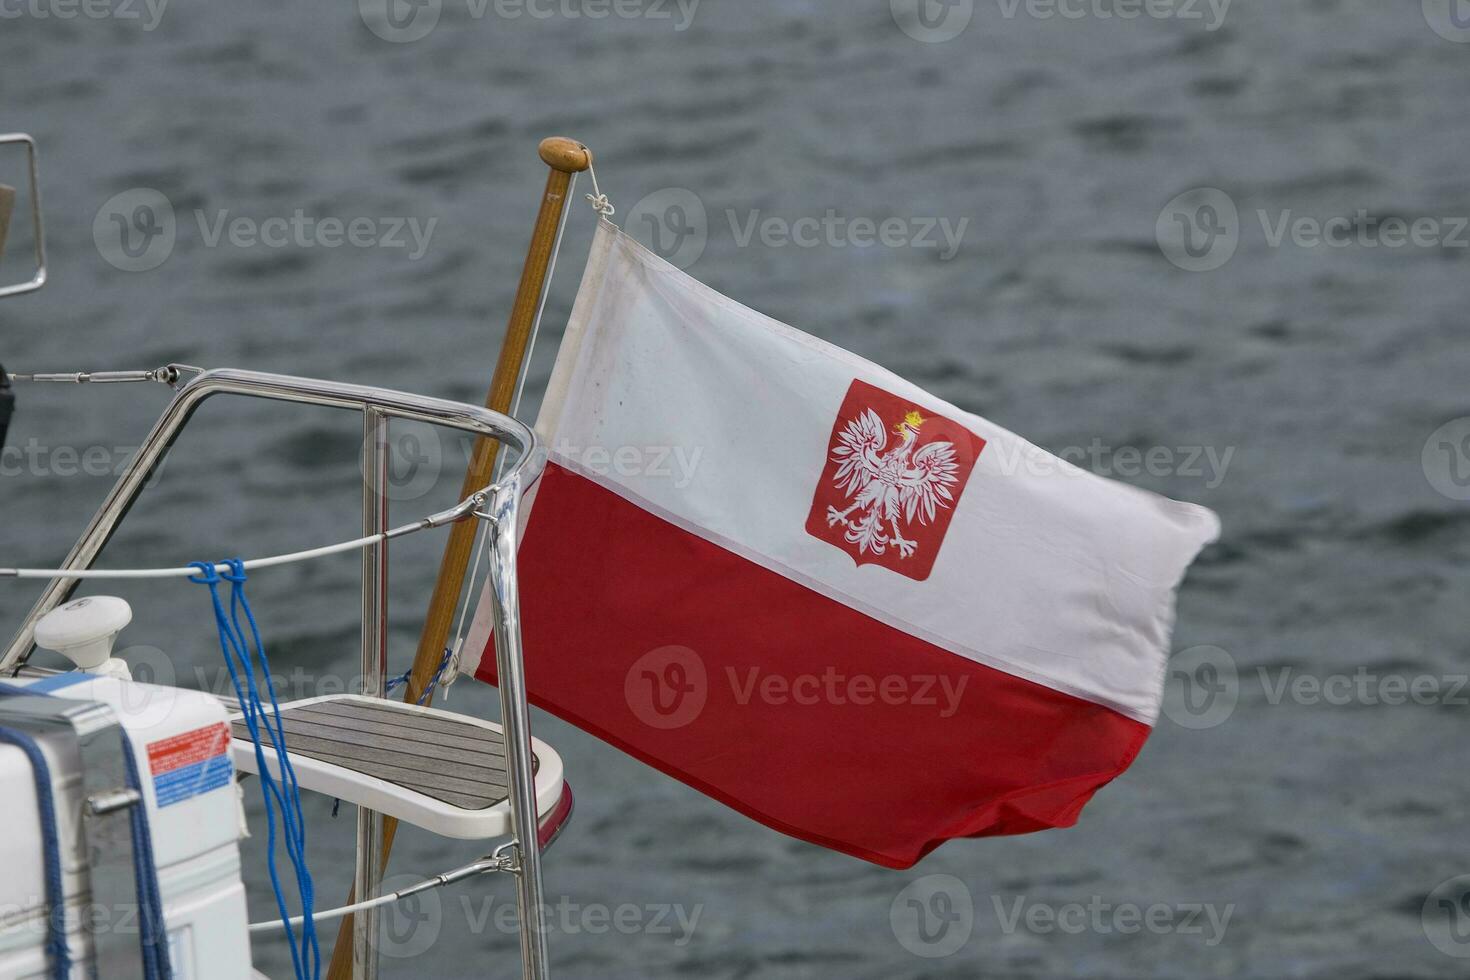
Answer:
(305, 956)
(402, 679)
(50, 852)
(238, 604)
(153, 933)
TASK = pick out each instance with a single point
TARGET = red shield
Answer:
(892, 480)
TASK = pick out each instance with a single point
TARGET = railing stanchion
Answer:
(515, 721)
(368, 876)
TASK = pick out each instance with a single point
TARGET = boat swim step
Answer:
(431, 768)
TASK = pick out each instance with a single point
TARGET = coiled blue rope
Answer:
(241, 657)
(50, 853)
(153, 932)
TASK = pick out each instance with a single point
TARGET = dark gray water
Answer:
(1294, 388)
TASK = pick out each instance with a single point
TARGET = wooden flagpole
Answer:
(566, 158)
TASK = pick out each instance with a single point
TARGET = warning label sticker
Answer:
(186, 765)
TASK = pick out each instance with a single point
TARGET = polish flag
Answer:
(822, 596)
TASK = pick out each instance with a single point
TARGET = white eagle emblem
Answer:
(886, 485)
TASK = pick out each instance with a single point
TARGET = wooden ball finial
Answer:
(566, 155)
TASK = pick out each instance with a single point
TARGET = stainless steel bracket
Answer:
(38, 225)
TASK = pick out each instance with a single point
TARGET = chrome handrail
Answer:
(38, 224)
(274, 387)
(378, 405)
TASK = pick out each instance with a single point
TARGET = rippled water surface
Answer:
(1314, 374)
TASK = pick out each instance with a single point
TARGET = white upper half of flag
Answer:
(724, 421)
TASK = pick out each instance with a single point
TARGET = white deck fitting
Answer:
(434, 769)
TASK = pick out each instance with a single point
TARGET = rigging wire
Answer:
(465, 508)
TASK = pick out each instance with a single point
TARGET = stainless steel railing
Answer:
(379, 407)
(38, 225)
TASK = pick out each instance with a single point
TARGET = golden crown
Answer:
(913, 420)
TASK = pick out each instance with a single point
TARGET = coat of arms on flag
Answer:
(892, 479)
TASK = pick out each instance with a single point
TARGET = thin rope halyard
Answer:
(599, 200)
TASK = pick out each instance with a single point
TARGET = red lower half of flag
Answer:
(788, 706)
